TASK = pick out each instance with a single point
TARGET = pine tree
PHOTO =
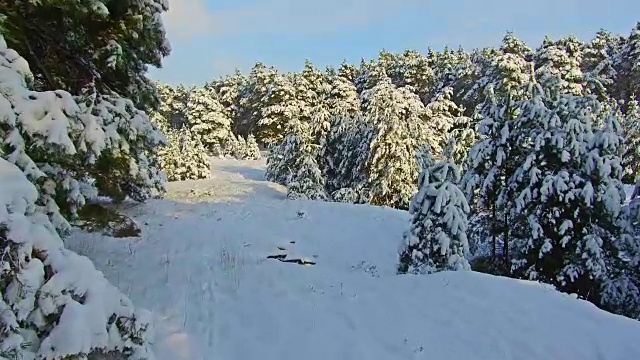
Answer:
(51, 294)
(598, 63)
(631, 142)
(110, 56)
(337, 152)
(75, 148)
(491, 161)
(561, 60)
(185, 156)
(437, 238)
(627, 66)
(568, 193)
(277, 108)
(308, 182)
(443, 116)
(284, 158)
(206, 119)
(396, 118)
(508, 73)
(414, 70)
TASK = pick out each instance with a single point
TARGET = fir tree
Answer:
(437, 238)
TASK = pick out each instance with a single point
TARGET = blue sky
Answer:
(211, 38)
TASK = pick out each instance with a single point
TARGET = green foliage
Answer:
(105, 46)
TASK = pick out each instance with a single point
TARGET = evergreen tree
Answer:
(631, 142)
(508, 73)
(627, 65)
(413, 70)
(110, 56)
(284, 158)
(561, 60)
(443, 116)
(206, 119)
(184, 157)
(278, 107)
(568, 193)
(437, 238)
(598, 63)
(74, 149)
(308, 182)
(396, 118)
(51, 294)
(491, 161)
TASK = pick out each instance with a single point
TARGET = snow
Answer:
(201, 267)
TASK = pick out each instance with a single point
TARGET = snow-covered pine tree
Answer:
(561, 60)
(343, 97)
(598, 63)
(253, 149)
(320, 120)
(229, 90)
(307, 182)
(64, 147)
(128, 165)
(206, 119)
(568, 193)
(491, 161)
(627, 66)
(508, 73)
(254, 99)
(443, 118)
(344, 108)
(621, 293)
(184, 157)
(369, 74)
(55, 304)
(396, 118)
(284, 157)
(348, 180)
(631, 142)
(110, 56)
(413, 70)
(437, 237)
(277, 108)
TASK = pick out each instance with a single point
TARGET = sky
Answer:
(211, 38)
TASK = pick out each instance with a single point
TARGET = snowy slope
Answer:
(202, 269)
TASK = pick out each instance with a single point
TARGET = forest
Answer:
(513, 161)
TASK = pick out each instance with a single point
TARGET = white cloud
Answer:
(188, 18)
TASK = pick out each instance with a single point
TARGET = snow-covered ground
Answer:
(202, 268)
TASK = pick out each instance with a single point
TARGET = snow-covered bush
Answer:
(437, 237)
(55, 304)
(185, 157)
